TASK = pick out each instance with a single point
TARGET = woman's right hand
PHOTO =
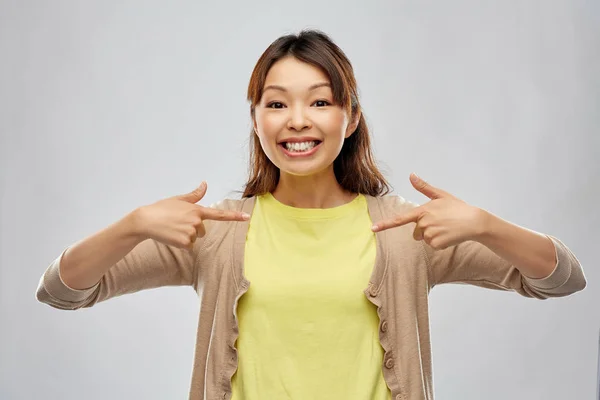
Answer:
(178, 220)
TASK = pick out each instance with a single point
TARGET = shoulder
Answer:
(399, 243)
(391, 204)
(229, 204)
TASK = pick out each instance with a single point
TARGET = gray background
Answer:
(105, 106)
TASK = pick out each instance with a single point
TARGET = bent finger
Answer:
(200, 230)
(418, 233)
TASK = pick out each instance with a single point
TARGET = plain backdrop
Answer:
(109, 105)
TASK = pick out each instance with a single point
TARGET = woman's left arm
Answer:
(455, 232)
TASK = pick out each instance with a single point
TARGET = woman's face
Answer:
(300, 128)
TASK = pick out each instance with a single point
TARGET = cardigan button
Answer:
(398, 397)
(373, 291)
(389, 363)
(384, 326)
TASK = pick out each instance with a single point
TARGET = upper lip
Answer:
(297, 139)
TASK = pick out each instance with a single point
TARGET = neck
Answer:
(320, 190)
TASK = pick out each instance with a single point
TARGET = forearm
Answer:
(86, 262)
(532, 253)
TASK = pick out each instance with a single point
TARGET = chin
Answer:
(303, 170)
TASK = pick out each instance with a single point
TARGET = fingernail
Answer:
(245, 216)
(374, 227)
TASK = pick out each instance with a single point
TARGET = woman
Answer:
(340, 269)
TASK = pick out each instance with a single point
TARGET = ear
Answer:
(353, 124)
(254, 127)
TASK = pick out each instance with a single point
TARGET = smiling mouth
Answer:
(304, 148)
(300, 147)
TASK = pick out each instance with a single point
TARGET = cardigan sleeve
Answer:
(150, 264)
(473, 263)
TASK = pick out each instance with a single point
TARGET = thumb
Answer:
(425, 188)
(195, 195)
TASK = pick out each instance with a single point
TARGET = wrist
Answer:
(134, 225)
(482, 225)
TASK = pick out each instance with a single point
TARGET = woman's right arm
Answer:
(83, 264)
(153, 246)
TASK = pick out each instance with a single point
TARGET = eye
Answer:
(322, 103)
(275, 104)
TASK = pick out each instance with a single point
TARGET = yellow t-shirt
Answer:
(306, 329)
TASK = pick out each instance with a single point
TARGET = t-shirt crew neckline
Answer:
(314, 213)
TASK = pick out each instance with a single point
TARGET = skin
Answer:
(290, 108)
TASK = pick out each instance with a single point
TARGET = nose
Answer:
(298, 119)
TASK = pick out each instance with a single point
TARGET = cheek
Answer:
(268, 124)
(335, 124)
(267, 131)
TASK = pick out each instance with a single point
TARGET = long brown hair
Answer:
(354, 168)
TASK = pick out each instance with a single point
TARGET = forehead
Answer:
(290, 71)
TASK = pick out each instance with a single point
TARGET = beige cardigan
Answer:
(405, 271)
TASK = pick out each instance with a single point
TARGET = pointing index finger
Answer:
(402, 219)
(223, 215)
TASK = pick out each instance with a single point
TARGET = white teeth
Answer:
(300, 146)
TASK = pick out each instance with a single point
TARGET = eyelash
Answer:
(278, 102)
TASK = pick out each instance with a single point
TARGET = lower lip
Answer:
(299, 153)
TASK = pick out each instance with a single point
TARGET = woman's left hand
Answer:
(442, 222)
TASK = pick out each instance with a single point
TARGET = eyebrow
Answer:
(282, 89)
